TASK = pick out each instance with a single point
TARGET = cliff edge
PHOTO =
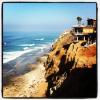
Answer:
(71, 68)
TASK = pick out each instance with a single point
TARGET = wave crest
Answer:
(27, 45)
(9, 56)
(41, 39)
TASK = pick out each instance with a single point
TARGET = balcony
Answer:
(78, 33)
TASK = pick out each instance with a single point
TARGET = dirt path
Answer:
(31, 84)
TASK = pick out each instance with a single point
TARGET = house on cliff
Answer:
(86, 33)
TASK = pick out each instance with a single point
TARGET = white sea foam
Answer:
(40, 39)
(9, 56)
(27, 45)
(26, 48)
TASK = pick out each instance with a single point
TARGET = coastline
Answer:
(20, 64)
(53, 70)
(15, 78)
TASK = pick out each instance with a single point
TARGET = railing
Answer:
(78, 33)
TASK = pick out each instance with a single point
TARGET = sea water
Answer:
(22, 48)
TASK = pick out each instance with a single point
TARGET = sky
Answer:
(45, 17)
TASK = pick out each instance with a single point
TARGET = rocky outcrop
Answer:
(71, 62)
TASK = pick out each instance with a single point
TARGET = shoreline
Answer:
(20, 64)
(16, 54)
(15, 79)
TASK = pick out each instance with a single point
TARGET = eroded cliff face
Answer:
(71, 68)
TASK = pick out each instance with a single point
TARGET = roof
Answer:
(78, 26)
(82, 26)
(92, 19)
(88, 27)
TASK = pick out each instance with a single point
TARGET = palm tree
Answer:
(79, 19)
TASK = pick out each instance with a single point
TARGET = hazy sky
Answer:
(49, 17)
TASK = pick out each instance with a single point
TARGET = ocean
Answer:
(22, 48)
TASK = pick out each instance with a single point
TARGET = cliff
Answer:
(71, 68)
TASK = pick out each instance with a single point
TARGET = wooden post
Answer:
(77, 38)
(84, 38)
(77, 31)
(88, 40)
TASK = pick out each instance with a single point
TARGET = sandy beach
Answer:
(30, 84)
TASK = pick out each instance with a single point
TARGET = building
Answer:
(91, 22)
(86, 33)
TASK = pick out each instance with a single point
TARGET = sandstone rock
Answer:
(67, 55)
